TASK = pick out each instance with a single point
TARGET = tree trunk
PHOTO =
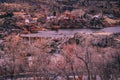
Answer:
(73, 71)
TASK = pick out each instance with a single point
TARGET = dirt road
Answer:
(71, 32)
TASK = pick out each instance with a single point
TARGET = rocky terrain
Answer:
(59, 40)
(32, 16)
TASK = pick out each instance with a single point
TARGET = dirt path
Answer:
(70, 33)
